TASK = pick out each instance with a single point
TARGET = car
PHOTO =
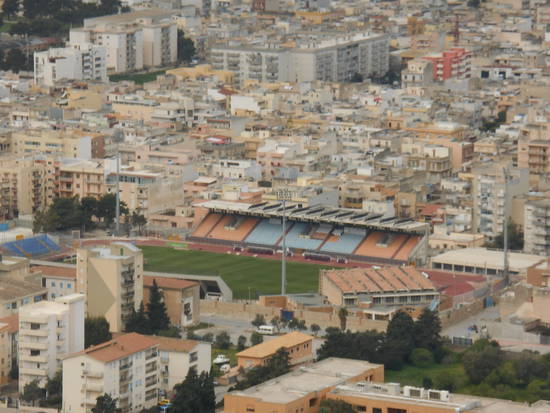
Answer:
(221, 359)
(164, 402)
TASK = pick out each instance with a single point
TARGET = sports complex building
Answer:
(316, 232)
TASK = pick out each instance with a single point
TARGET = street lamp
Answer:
(284, 195)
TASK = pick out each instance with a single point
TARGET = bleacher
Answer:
(345, 244)
(32, 247)
(267, 232)
(298, 237)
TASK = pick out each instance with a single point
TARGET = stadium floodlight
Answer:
(284, 195)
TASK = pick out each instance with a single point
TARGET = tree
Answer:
(276, 322)
(15, 60)
(209, 337)
(156, 309)
(528, 366)
(33, 392)
(301, 325)
(89, 209)
(186, 48)
(96, 331)
(315, 328)
(223, 341)
(258, 321)
(241, 343)
(293, 324)
(138, 220)
(105, 404)
(106, 208)
(515, 238)
(427, 383)
(335, 406)
(138, 321)
(427, 330)
(256, 338)
(14, 371)
(276, 366)
(474, 4)
(10, 7)
(481, 359)
(54, 386)
(399, 341)
(194, 394)
(365, 345)
(343, 316)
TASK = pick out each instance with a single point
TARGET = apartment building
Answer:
(177, 356)
(126, 368)
(537, 227)
(70, 143)
(47, 331)
(82, 178)
(492, 201)
(147, 192)
(325, 57)
(112, 279)
(298, 345)
(455, 63)
(9, 333)
(59, 280)
(79, 62)
(133, 41)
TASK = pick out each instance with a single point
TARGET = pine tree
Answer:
(138, 322)
(207, 392)
(187, 398)
(156, 310)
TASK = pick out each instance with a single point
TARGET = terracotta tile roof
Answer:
(165, 282)
(13, 323)
(175, 344)
(120, 347)
(50, 270)
(268, 348)
(430, 209)
(454, 284)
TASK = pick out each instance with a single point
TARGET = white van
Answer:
(268, 330)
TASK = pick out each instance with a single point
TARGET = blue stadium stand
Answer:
(345, 245)
(32, 247)
(267, 232)
(298, 238)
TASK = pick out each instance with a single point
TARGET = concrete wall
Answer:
(248, 312)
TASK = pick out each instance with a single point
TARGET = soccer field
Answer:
(262, 275)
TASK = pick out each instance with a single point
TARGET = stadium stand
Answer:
(298, 237)
(380, 245)
(344, 244)
(406, 249)
(32, 247)
(206, 225)
(267, 232)
(232, 228)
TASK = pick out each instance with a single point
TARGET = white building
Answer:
(47, 331)
(237, 169)
(177, 356)
(537, 227)
(334, 59)
(126, 368)
(84, 61)
(144, 38)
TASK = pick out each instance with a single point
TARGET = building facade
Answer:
(126, 368)
(112, 279)
(47, 331)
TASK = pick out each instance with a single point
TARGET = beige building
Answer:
(69, 143)
(112, 279)
(126, 368)
(133, 41)
(181, 297)
(47, 331)
(177, 356)
(147, 192)
(9, 332)
(81, 178)
(298, 345)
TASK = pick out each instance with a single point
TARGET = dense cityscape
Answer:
(274, 206)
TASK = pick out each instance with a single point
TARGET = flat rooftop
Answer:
(296, 384)
(483, 257)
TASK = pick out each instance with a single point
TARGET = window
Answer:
(53, 284)
(193, 357)
(312, 402)
(35, 326)
(250, 408)
(69, 285)
(360, 408)
(376, 410)
(61, 285)
(35, 352)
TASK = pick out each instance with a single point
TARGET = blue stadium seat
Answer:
(345, 245)
(266, 233)
(49, 243)
(297, 237)
(34, 246)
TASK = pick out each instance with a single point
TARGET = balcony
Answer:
(92, 374)
(33, 359)
(33, 345)
(35, 333)
(92, 388)
(125, 366)
(151, 355)
(33, 372)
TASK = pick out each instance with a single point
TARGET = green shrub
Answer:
(422, 357)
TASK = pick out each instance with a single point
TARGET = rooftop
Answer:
(268, 348)
(175, 344)
(11, 289)
(119, 348)
(54, 271)
(163, 282)
(483, 257)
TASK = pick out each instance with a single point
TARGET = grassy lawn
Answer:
(230, 352)
(263, 276)
(139, 78)
(413, 376)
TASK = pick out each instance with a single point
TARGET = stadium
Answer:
(316, 233)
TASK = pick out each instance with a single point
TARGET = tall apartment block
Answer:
(47, 331)
(492, 202)
(80, 62)
(327, 58)
(133, 41)
(127, 368)
(112, 279)
(537, 227)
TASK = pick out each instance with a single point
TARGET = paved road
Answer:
(461, 329)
